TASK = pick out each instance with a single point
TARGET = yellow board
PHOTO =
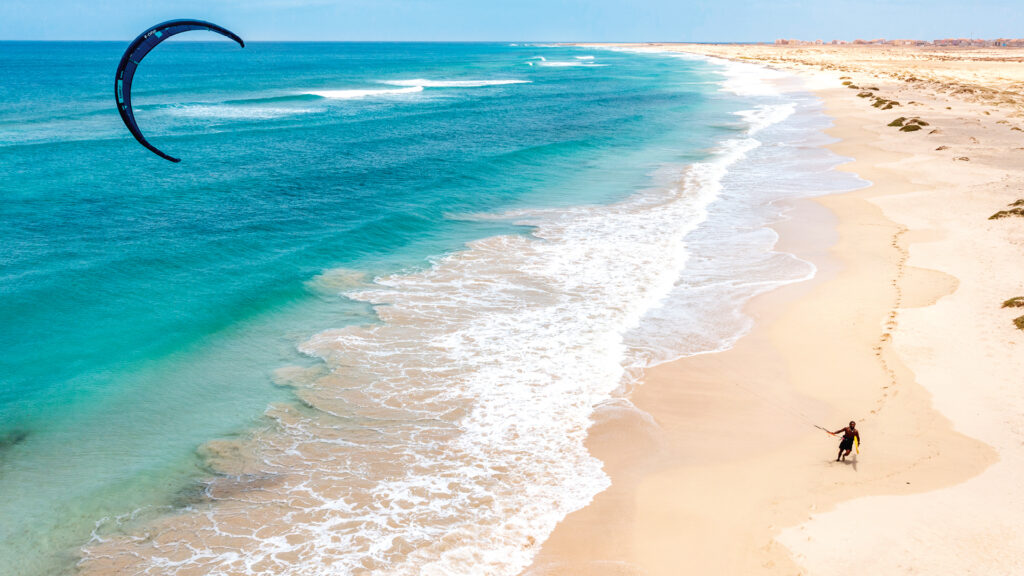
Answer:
(856, 444)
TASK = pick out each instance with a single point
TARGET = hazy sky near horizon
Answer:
(538, 20)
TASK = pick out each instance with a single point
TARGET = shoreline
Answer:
(721, 480)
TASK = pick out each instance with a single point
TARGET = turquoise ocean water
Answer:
(145, 307)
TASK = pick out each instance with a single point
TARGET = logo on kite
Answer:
(133, 56)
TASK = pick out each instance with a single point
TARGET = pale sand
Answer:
(720, 472)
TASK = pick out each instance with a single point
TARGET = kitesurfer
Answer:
(850, 434)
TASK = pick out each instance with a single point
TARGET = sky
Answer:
(526, 20)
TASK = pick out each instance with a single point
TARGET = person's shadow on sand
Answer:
(852, 462)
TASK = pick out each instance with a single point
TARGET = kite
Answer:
(133, 56)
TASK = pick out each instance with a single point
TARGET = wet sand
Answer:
(719, 469)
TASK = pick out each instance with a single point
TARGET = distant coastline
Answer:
(944, 42)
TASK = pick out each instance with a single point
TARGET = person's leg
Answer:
(839, 455)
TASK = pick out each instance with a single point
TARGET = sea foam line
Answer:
(453, 83)
(359, 94)
(410, 86)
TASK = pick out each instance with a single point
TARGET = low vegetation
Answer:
(884, 104)
(1017, 302)
(1007, 213)
(1016, 209)
(908, 124)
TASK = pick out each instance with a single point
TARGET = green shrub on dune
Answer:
(908, 124)
(1007, 213)
(1017, 302)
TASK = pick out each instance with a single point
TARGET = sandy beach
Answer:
(720, 469)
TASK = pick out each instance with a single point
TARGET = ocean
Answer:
(361, 328)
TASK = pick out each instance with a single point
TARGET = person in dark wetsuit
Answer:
(846, 446)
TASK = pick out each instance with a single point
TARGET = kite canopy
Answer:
(133, 57)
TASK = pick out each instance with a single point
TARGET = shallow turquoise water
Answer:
(145, 305)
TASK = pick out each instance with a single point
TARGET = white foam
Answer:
(567, 64)
(528, 332)
(365, 93)
(741, 78)
(744, 79)
(584, 57)
(228, 112)
(765, 115)
(424, 83)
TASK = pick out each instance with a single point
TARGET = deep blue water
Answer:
(145, 305)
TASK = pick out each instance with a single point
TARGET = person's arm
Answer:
(838, 431)
(857, 434)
